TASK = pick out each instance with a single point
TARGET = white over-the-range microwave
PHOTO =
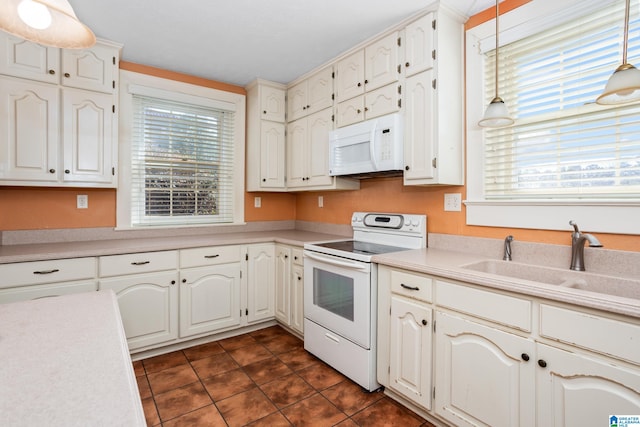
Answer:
(370, 147)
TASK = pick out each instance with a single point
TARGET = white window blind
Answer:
(563, 145)
(182, 163)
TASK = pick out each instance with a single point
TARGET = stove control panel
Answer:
(401, 222)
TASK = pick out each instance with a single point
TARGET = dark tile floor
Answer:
(264, 378)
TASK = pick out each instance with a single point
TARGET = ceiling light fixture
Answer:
(47, 22)
(496, 115)
(624, 84)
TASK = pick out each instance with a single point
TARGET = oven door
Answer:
(337, 295)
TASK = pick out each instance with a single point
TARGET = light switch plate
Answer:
(453, 202)
(82, 201)
(257, 202)
(320, 201)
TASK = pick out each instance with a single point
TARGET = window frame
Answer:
(180, 92)
(607, 216)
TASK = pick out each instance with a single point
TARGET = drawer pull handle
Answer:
(140, 262)
(212, 256)
(55, 270)
(411, 288)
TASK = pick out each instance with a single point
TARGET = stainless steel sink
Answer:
(598, 283)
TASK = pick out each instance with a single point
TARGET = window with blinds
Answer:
(182, 163)
(563, 145)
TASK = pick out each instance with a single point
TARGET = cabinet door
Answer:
(296, 153)
(381, 62)
(579, 390)
(481, 376)
(350, 111)
(319, 125)
(297, 101)
(261, 282)
(209, 299)
(29, 130)
(88, 133)
(419, 155)
(283, 272)
(410, 352)
(148, 306)
(21, 58)
(379, 102)
(93, 69)
(272, 104)
(350, 76)
(297, 298)
(320, 90)
(419, 51)
(272, 154)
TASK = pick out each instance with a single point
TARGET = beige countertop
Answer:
(48, 251)
(448, 264)
(64, 362)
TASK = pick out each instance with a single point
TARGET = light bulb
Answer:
(36, 15)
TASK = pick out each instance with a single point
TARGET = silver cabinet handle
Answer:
(55, 270)
(212, 256)
(140, 262)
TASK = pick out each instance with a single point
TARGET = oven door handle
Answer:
(334, 261)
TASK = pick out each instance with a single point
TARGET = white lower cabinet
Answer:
(483, 376)
(289, 287)
(209, 299)
(260, 282)
(410, 350)
(148, 306)
(297, 296)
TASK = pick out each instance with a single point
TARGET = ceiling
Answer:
(236, 41)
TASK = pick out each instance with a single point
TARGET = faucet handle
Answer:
(575, 226)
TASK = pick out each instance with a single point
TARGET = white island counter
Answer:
(64, 361)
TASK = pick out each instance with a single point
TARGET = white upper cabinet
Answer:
(92, 69)
(381, 65)
(350, 76)
(272, 103)
(28, 60)
(310, 95)
(418, 45)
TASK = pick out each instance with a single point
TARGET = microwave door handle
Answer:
(372, 148)
(333, 261)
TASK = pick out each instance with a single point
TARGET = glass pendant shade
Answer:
(623, 86)
(47, 22)
(496, 115)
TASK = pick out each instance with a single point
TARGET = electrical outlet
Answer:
(82, 201)
(453, 202)
(320, 202)
(257, 202)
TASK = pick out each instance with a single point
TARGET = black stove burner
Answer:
(364, 248)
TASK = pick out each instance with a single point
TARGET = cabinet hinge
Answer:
(399, 68)
(113, 108)
(389, 311)
(399, 41)
(113, 84)
(333, 74)
(333, 96)
(389, 369)
(333, 117)
(434, 326)
(433, 54)
(434, 392)
(246, 311)
(433, 24)
(113, 171)
(433, 83)
(241, 274)
(246, 257)
(434, 162)
(240, 312)
(399, 89)
(114, 60)
(399, 103)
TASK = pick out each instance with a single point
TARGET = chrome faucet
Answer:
(507, 248)
(577, 246)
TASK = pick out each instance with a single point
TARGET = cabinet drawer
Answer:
(412, 285)
(213, 255)
(26, 293)
(120, 265)
(499, 308)
(296, 256)
(607, 336)
(39, 272)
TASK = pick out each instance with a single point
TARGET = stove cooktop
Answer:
(362, 248)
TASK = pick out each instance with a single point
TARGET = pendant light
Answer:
(496, 115)
(47, 22)
(624, 84)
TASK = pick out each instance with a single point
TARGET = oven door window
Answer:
(333, 292)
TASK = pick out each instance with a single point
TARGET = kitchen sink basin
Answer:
(599, 283)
